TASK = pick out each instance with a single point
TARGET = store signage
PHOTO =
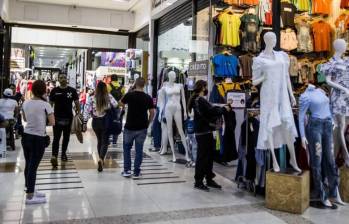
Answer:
(104, 70)
(198, 68)
(238, 99)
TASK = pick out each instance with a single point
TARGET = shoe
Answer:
(136, 176)
(54, 161)
(39, 194)
(64, 158)
(201, 187)
(100, 166)
(126, 173)
(213, 184)
(35, 200)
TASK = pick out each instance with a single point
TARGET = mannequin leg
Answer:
(293, 160)
(178, 120)
(341, 124)
(276, 166)
(169, 123)
(164, 138)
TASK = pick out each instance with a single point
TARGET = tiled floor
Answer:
(77, 193)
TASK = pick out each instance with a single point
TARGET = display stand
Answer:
(344, 183)
(288, 191)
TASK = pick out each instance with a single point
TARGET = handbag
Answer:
(113, 123)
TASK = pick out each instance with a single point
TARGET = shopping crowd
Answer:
(59, 106)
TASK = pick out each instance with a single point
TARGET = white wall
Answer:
(60, 15)
(142, 14)
(68, 39)
(4, 9)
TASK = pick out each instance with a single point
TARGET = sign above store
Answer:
(198, 68)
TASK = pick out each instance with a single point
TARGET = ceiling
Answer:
(104, 4)
(52, 57)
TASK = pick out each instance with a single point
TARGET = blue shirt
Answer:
(225, 65)
(317, 103)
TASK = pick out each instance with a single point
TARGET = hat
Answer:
(8, 92)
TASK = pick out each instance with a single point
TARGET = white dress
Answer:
(276, 116)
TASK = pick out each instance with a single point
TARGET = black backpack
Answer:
(116, 92)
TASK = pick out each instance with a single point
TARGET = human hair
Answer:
(198, 88)
(39, 88)
(114, 77)
(140, 82)
(102, 97)
(62, 74)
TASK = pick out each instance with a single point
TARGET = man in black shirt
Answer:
(62, 99)
(137, 122)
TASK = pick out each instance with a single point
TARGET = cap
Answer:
(8, 92)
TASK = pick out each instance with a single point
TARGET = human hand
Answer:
(304, 142)
(228, 108)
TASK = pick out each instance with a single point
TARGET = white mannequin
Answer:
(340, 47)
(174, 94)
(270, 42)
(164, 134)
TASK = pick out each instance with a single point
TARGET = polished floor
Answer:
(77, 193)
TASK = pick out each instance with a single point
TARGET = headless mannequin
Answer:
(270, 43)
(340, 47)
(174, 93)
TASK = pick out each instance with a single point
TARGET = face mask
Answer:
(205, 92)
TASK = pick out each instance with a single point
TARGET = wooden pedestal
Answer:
(288, 192)
(344, 184)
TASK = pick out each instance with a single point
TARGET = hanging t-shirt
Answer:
(288, 11)
(230, 26)
(344, 4)
(322, 36)
(321, 7)
(225, 65)
(63, 99)
(249, 27)
(303, 5)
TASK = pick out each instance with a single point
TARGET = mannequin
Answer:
(320, 145)
(164, 135)
(277, 127)
(172, 110)
(337, 72)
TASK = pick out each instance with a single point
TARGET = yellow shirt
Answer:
(116, 84)
(223, 88)
(230, 29)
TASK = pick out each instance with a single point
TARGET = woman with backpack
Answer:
(205, 116)
(97, 107)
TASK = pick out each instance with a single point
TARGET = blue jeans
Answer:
(156, 130)
(320, 137)
(138, 137)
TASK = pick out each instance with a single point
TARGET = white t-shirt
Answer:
(7, 108)
(34, 112)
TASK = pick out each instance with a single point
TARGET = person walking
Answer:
(137, 122)
(97, 107)
(204, 116)
(62, 98)
(36, 112)
(9, 109)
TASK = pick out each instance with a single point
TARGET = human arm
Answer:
(151, 115)
(113, 102)
(76, 102)
(304, 103)
(208, 111)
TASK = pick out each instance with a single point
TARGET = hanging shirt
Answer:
(321, 7)
(288, 40)
(245, 62)
(303, 5)
(305, 42)
(230, 29)
(225, 65)
(316, 102)
(249, 28)
(293, 66)
(288, 11)
(322, 36)
(344, 4)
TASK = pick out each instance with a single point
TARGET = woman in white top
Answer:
(36, 112)
(96, 107)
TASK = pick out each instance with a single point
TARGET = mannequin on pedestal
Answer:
(337, 76)
(277, 126)
(172, 110)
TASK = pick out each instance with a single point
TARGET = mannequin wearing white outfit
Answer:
(337, 76)
(174, 95)
(277, 126)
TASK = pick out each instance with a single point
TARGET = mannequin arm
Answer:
(258, 81)
(160, 103)
(184, 103)
(336, 85)
(290, 91)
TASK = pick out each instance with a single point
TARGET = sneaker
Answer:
(39, 194)
(213, 184)
(35, 200)
(64, 157)
(54, 161)
(136, 175)
(100, 166)
(201, 187)
(126, 173)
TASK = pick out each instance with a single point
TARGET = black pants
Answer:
(204, 160)
(98, 126)
(57, 133)
(33, 148)
(10, 137)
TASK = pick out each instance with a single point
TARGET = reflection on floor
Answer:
(164, 194)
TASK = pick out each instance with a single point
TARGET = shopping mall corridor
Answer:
(77, 193)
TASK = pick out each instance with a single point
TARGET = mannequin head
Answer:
(269, 40)
(340, 46)
(171, 77)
